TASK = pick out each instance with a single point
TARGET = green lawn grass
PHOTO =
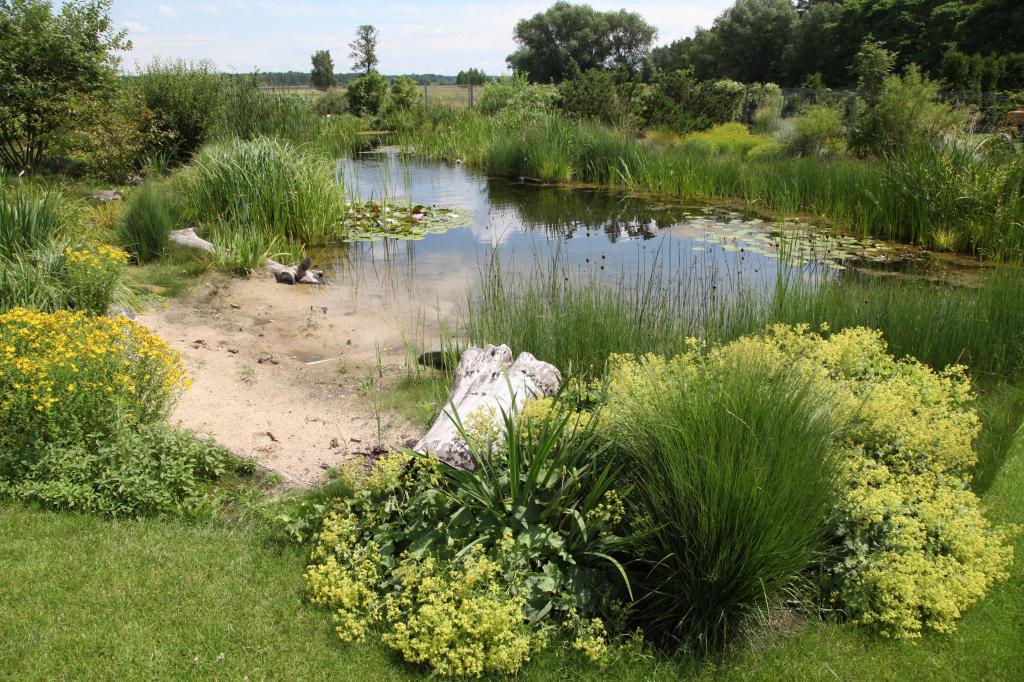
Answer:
(82, 597)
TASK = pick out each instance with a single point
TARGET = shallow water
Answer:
(592, 232)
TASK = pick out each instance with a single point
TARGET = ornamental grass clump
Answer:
(66, 376)
(735, 474)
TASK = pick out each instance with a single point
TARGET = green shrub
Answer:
(729, 138)
(818, 129)
(731, 455)
(332, 103)
(270, 185)
(915, 550)
(405, 93)
(149, 215)
(92, 275)
(591, 95)
(151, 470)
(767, 101)
(367, 94)
(114, 137)
(516, 94)
(70, 376)
(905, 112)
(187, 99)
(524, 538)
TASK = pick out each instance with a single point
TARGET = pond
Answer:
(610, 236)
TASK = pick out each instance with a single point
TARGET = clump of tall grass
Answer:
(272, 186)
(241, 249)
(30, 218)
(150, 214)
(735, 475)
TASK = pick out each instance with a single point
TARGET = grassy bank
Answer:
(84, 597)
(958, 197)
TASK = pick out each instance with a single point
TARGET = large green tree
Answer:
(566, 39)
(751, 40)
(49, 61)
(323, 70)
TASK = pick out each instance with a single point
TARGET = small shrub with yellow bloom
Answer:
(68, 375)
(465, 571)
(92, 274)
(915, 548)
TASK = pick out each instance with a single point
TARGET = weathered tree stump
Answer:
(299, 273)
(486, 381)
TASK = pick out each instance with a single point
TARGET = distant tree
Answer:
(323, 70)
(48, 63)
(364, 49)
(471, 77)
(569, 38)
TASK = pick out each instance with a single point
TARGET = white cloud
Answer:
(136, 27)
(166, 12)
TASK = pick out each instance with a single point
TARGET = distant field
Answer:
(455, 96)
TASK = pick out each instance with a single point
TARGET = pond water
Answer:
(592, 232)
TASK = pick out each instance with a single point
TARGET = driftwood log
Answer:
(300, 273)
(482, 382)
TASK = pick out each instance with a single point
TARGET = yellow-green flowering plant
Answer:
(92, 274)
(67, 375)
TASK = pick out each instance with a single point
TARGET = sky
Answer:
(415, 37)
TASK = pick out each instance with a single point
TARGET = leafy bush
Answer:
(767, 101)
(405, 93)
(818, 129)
(92, 274)
(732, 460)
(187, 99)
(903, 113)
(150, 470)
(367, 94)
(270, 185)
(516, 94)
(678, 101)
(68, 376)
(591, 95)
(525, 536)
(114, 137)
(150, 214)
(915, 550)
(334, 102)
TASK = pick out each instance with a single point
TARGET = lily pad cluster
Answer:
(369, 221)
(793, 242)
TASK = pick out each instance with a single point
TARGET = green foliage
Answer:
(113, 137)
(566, 37)
(242, 249)
(49, 63)
(367, 94)
(323, 70)
(748, 41)
(450, 565)
(405, 93)
(68, 377)
(515, 94)
(331, 103)
(732, 458)
(149, 215)
(591, 95)
(187, 99)
(676, 100)
(727, 138)
(818, 129)
(270, 185)
(767, 101)
(152, 470)
(30, 218)
(872, 65)
(364, 49)
(904, 112)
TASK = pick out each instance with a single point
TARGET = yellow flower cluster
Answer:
(73, 371)
(457, 618)
(92, 274)
(918, 550)
(592, 641)
(453, 617)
